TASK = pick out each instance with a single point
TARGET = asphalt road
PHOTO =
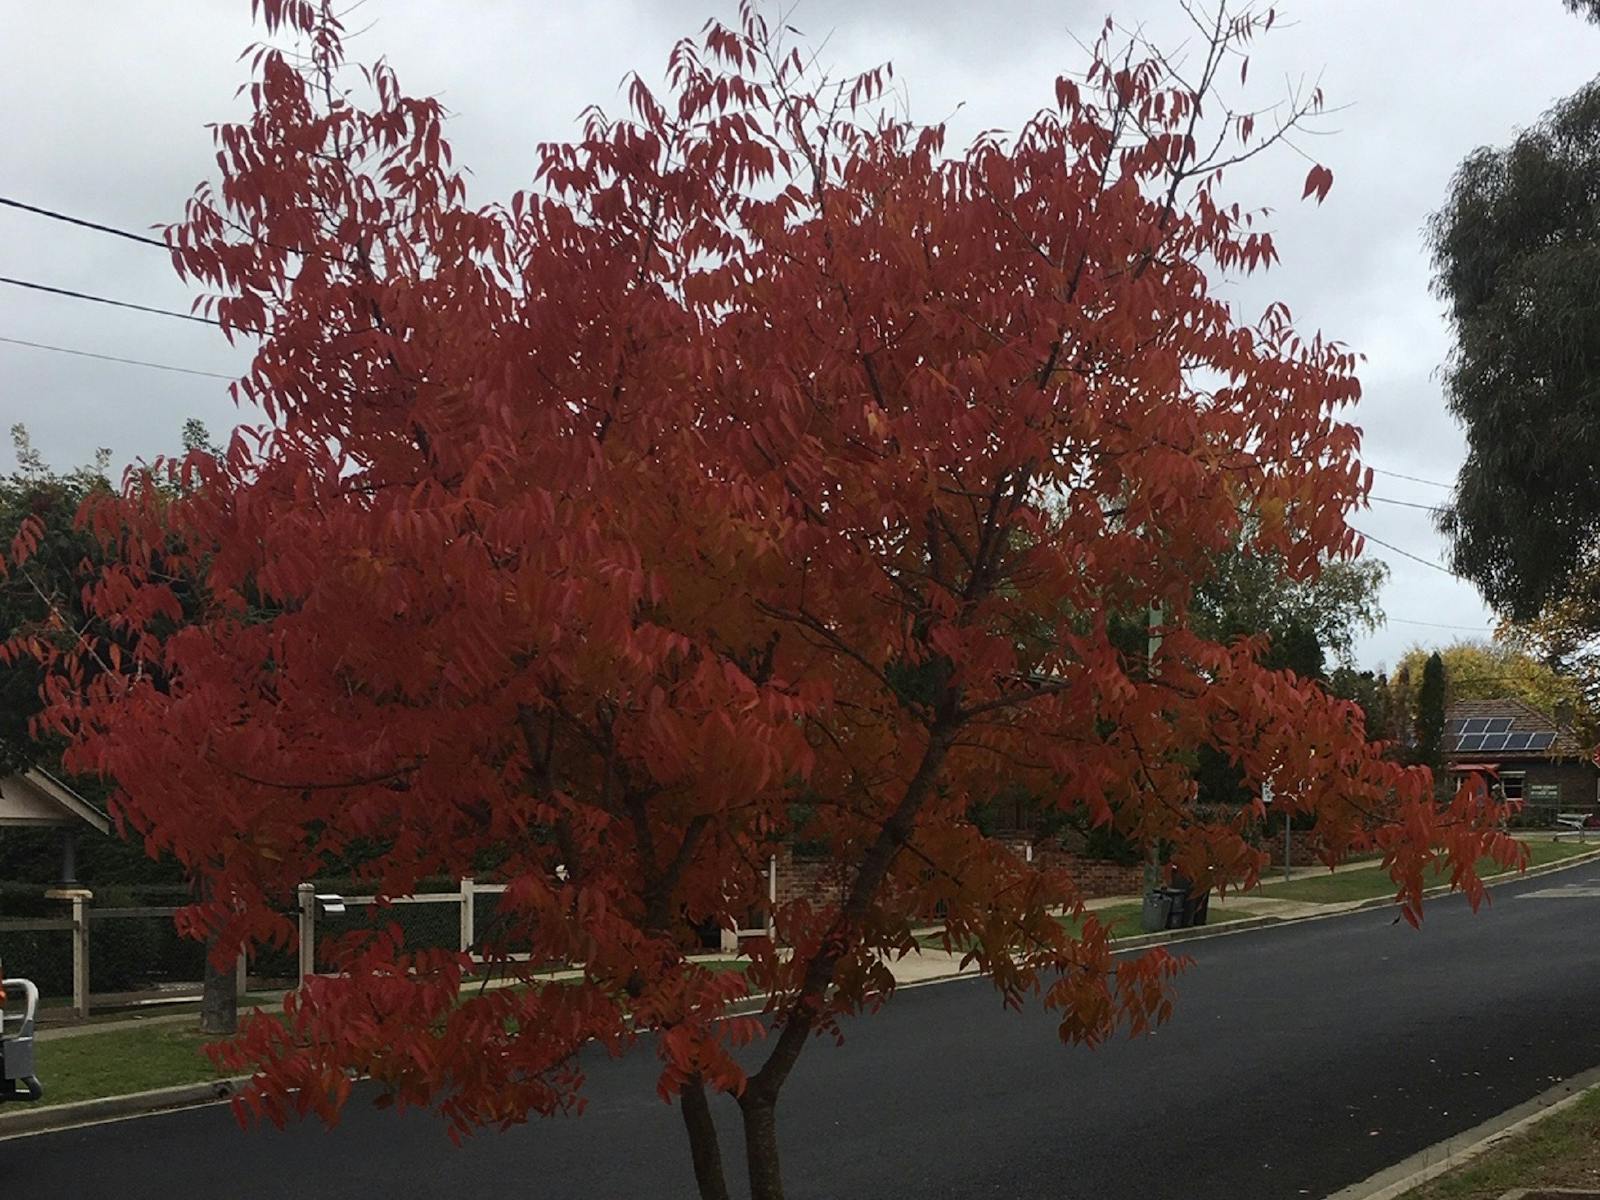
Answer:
(1301, 1059)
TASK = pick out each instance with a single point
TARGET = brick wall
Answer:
(1574, 783)
(815, 879)
(1304, 846)
(1095, 878)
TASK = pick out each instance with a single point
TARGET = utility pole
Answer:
(1287, 854)
(1266, 801)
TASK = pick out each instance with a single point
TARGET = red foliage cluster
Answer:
(764, 472)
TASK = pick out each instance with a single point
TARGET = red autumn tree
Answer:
(765, 472)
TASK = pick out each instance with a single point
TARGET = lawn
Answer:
(1368, 883)
(120, 1061)
(1560, 1151)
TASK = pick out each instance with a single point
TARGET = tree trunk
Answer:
(703, 1144)
(219, 999)
(761, 1146)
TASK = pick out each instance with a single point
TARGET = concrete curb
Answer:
(54, 1117)
(1394, 1182)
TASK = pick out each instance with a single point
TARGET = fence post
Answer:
(468, 914)
(241, 975)
(80, 957)
(308, 932)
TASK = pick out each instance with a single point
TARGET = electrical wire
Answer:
(1433, 508)
(59, 216)
(1413, 478)
(145, 308)
(132, 362)
(1439, 625)
(1427, 562)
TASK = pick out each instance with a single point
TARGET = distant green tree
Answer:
(1370, 690)
(1490, 670)
(1250, 593)
(41, 597)
(1304, 622)
(1430, 713)
(1516, 252)
(1296, 647)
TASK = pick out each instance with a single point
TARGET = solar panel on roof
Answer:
(1541, 741)
(1494, 741)
(1454, 727)
(1518, 741)
(1476, 725)
(1499, 725)
(1471, 742)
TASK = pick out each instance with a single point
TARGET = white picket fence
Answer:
(317, 907)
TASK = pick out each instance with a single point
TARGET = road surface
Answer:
(1301, 1059)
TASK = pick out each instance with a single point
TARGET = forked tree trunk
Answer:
(761, 1146)
(703, 1145)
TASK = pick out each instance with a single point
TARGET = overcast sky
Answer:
(107, 105)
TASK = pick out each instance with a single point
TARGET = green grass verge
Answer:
(121, 1061)
(1369, 883)
(1560, 1151)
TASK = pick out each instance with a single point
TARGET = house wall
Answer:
(1576, 782)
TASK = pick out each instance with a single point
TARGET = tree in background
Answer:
(768, 473)
(1298, 621)
(47, 584)
(1371, 692)
(1430, 713)
(1562, 639)
(1484, 670)
(1304, 619)
(1516, 249)
(41, 598)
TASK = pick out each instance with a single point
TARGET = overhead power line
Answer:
(145, 308)
(1440, 625)
(1413, 478)
(58, 216)
(1433, 508)
(1427, 562)
(132, 362)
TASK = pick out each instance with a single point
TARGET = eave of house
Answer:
(37, 799)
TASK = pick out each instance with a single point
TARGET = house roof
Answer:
(37, 798)
(1523, 719)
